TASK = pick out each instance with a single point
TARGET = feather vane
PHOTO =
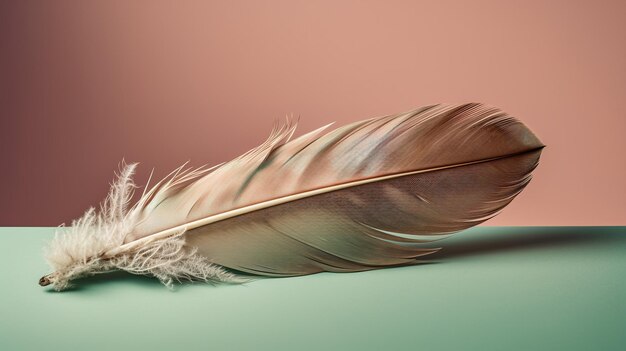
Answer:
(359, 197)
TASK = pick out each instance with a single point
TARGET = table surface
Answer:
(490, 288)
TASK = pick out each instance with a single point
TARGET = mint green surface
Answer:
(490, 288)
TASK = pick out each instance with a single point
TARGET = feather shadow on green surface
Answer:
(525, 239)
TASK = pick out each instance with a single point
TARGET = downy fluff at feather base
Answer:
(79, 250)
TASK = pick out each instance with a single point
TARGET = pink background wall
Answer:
(83, 84)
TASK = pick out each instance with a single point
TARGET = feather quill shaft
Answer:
(359, 197)
(232, 213)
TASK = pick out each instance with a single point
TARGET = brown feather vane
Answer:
(363, 196)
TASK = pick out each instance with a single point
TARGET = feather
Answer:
(362, 196)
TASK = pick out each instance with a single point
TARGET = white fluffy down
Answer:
(80, 250)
